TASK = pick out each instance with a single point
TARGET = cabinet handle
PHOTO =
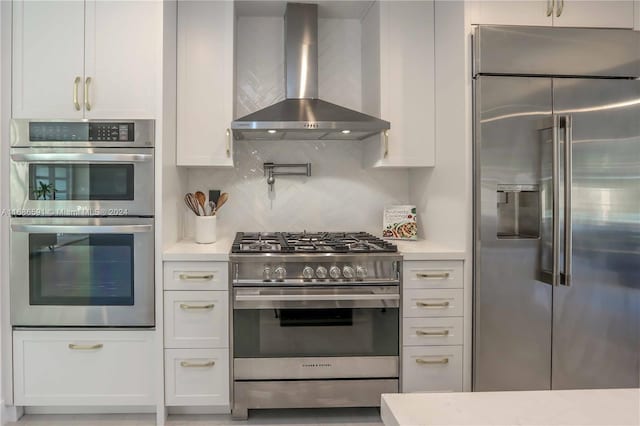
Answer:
(188, 364)
(186, 307)
(560, 8)
(228, 142)
(187, 277)
(76, 83)
(432, 361)
(432, 305)
(442, 333)
(85, 347)
(550, 4)
(386, 143)
(442, 275)
(87, 104)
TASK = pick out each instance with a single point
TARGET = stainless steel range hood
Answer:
(301, 115)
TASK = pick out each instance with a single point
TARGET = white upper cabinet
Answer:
(557, 13)
(603, 14)
(48, 59)
(398, 82)
(123, 42)
(86, 59)
(205, 83)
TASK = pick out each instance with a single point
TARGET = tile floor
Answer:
(342, 417)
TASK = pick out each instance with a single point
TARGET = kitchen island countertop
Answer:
(549, 408)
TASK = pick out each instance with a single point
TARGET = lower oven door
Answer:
(82, 272)
(311, 333)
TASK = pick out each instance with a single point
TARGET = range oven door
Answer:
(82, 272)
(311, 333)
(82, 181)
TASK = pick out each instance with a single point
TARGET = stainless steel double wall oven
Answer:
(82, 227)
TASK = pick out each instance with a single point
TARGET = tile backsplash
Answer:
(340, 195)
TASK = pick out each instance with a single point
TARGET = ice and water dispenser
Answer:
(518, 211)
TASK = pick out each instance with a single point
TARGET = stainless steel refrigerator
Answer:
(556, 208)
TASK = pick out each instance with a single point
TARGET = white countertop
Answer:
(426, 250)
(188, 250)
(548, 408)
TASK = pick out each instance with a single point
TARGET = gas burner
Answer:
(317, 242)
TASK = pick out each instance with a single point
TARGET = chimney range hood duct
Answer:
(302, 116)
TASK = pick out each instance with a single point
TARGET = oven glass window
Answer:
(266, 333)
(81, 269)
(81, 181)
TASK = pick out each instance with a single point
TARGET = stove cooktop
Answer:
(307, 242)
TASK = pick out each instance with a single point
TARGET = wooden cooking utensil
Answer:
(193, 204)
(223, 199)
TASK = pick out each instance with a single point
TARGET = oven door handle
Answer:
(314, 297)
(54, 157)
(82, 229)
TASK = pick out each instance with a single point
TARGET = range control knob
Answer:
(321, 272)
(348, 272)
(266, 274)
(307, 272)
(280, 273)
(334, 272)
(361, 272)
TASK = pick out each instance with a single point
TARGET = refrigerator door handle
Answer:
(568, 171)
(555, 182)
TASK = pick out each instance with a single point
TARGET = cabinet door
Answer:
(48, 58)
(196, 319)
(594, 14)
(512, 12)
(82, 367)
(123, 47)
(406, 84)
(205, 83)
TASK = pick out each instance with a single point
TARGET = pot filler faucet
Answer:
(270, 171)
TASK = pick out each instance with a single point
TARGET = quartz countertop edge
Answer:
(524, 408)
(189, 250)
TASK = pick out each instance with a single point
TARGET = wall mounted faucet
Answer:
(270, 171)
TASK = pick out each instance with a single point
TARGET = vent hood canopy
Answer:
(301, 116)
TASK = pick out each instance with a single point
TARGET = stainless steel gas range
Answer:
(316, 320)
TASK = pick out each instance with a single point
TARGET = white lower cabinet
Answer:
(84, 367)
(196, 319)
(197, 376)
(196, 335)
(433, 326)
(432, 369)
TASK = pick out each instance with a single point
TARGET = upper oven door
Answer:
(86, 133)
(82, 272)
(82, 181)
(316, 322)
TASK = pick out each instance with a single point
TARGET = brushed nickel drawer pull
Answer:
(185, 306)
(442, 275)
(188, 364)
(433, 305)
(205, 277)
(386, 144)
(442, 333)
(441, 361)
(85, 347)
(228, 143)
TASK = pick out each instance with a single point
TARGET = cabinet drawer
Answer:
(433, 274)
(432, 331)
(196, 276)
(432, 303)
(84, 367)
(432, 369)
(196, 319)
(197, 376)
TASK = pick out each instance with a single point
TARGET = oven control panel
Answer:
(120, 132)
(339, 271)
(78, 131)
